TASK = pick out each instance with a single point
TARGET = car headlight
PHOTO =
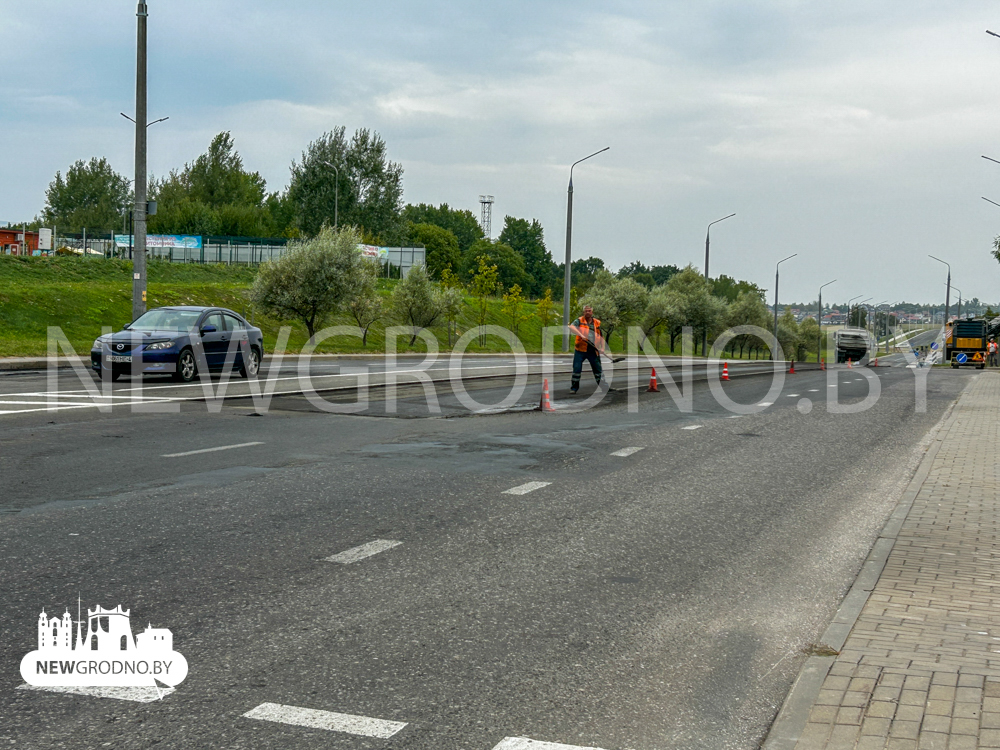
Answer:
(159, 345)
(97, 345)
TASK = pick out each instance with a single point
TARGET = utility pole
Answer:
(139, 211)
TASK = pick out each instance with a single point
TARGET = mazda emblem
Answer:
(121, 346)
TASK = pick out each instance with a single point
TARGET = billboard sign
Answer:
(371, 251)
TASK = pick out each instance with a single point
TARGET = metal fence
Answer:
(247, 251)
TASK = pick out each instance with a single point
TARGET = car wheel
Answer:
(251, 365)
(187, 367)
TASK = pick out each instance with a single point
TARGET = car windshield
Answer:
(166, 320)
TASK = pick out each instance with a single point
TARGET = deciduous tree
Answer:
(365, 303)
(368, 193)
(92, 195)
(416, 302)
(311, 280)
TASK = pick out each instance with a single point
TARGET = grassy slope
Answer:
(82, 295)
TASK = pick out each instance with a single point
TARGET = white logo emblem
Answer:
(103, 654)
(121, 346)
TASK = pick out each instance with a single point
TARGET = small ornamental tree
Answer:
(511, 307)
(485, 282)
(416, 302)
(365, 304)
(312, 280)
(451, 297)
(545, 308)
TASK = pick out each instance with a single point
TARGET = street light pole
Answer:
(819, 319)
(848, 323)
(947, 293)
(959, 315)
(776, 296)
(139, 212)
(704, 337)
(336, 194)
(569, 245)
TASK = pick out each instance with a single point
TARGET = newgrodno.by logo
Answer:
(103, 653)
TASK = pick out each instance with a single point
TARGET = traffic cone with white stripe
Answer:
(652, 383)
(849, 364)
(546, 402)
(725, 371)
(822, 363)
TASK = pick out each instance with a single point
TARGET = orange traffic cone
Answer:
(652, 383)
(546, 403)
(725, 371)
(875, 363)
(791, 370)
(822, 363)
(849, 364)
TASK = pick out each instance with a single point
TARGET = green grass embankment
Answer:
(82, 295)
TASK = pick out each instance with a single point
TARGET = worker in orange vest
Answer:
(589, 345)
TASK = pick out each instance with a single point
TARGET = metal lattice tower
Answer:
(486, 202)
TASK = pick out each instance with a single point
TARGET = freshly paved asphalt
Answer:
(660, 600)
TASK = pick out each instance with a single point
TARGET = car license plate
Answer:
(119, 358)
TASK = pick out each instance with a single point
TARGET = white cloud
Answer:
(848, 133)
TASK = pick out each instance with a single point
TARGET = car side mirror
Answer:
(208, 329)
(126, 326)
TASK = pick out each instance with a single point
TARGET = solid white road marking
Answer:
(334, 722)
(692, 427)
(365, 550)
(523, 743)
(210, 450)
(524, 489)
(626, 452)
(136, 694)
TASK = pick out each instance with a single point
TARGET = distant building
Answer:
(14, 242)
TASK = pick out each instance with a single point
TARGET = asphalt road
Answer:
(660, 599)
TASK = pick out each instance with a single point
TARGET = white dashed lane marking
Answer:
(692, 427)
(524, 489)
(523, 743)
(766, 403)
(135, 694)
(365, 550)
(210, 450)
(626, 452)
(793, 395)
(334, 722)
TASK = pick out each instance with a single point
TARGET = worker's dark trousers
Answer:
(595, 364)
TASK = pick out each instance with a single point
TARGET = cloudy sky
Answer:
(849, 133)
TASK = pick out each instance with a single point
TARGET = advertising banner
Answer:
(182, 241)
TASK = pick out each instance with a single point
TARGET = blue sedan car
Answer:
(180, 341)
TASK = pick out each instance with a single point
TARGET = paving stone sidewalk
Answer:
(921, 665)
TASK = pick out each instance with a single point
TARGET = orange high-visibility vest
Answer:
(592, 337)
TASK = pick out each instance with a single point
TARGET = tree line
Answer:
(325, 276)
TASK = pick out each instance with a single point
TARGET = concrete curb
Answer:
(794, 713)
